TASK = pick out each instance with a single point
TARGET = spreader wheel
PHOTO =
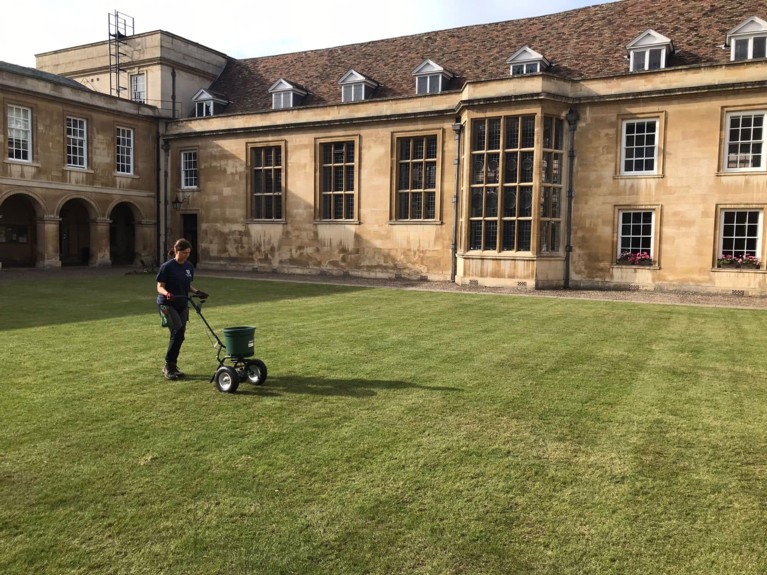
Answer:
(226, 379)
(255, 371)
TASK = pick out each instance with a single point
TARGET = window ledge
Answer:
(121, 175)
(635, 267)
(415, 222)
(742, 173)
(739, 270)
(338, 222)
(21, 163)
(635, 176)
(479, 255)
(77, 170)
(254, 221)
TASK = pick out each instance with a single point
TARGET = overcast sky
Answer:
(250, 28)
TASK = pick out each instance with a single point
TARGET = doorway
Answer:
(189, 232)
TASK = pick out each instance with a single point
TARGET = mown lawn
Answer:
(399, 432)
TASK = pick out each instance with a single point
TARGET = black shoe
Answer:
(176, 371)
(168, 372)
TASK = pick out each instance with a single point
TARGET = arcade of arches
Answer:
(75, 234)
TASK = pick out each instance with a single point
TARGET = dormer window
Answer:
(430, 78)
(208, 103)
(356, 87)
(527, 61)
(202, 109)
(748, 41)
(286, 95)
(649, 51)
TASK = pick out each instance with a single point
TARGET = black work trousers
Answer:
(177, 333)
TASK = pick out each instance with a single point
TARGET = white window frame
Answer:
(353, 92)
(749, 52)
(761, 143)
(641, 59)
(428, 84)
(525, 68)
(19, 122)
(77, 142)
(282, 100)
(641, 235)
(656, 156)
(138, 88)
(203, 109)
(124, 150)
(189, 170)
(759, 225)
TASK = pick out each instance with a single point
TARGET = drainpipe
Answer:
(572, 119)
(166, 155)
(173, 92)
(158, 207)
(457, 163)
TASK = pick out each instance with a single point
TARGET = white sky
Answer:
(250, 28)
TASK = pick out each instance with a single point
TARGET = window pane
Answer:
(524, 236)
(654, 62)
(491, 203)
(741, 49)
(494, 134)
(759, 47)
(528, 131)
(512, 133)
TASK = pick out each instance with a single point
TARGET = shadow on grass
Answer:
(277, 386)
(34, 298)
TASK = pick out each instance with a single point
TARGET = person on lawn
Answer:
(174, 283)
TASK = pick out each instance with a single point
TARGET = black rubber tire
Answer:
(226, 379)
(255, 372)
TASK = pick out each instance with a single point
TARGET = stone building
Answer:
(615, 146)
(78, 180)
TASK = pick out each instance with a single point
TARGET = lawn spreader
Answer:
(237, 349)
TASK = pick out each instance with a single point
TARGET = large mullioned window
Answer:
(550, 222)
(501, 172)
(337, 181)
(416, 195)
(268, 189)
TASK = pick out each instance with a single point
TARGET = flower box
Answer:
(635, 259)
(738, 262)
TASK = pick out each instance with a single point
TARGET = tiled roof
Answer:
(582, 43)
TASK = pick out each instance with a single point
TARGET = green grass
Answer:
(399, 432)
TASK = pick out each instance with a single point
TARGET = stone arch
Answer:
(20, 235)
(123, 216)
(75, 238)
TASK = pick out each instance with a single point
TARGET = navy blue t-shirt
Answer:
(178, 280)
